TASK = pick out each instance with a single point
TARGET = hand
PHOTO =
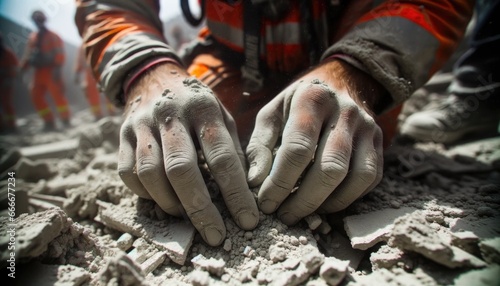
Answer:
(325, 121)
(167, 115)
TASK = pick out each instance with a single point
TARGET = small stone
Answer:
(199, 278)
(395, 204)
(303, 240)
(313, 260)
(333, 270)
(228, 245)
(485, 211)
(294, 241)
(248, 235)
(313, 221)
(276, 254)
(125, 241)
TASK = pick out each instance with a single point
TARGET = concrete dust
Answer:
(433, 220)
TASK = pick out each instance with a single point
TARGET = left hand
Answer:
(327, 116)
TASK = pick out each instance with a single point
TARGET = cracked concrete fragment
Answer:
(125, 241)
(173, 235)
(121, 270)
(212, 265)
(59, 149)
(333, 270)
(313, 221)
(412, 232)
(386, 257)
(33, 232)
(465, 240)
(366, 230)
(153, 262)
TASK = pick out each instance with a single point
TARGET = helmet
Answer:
(38, 16)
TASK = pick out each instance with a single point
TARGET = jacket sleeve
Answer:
(402, 43)
(119, 36)
(58, 51)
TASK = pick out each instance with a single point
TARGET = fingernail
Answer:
(268, 206)
(247, 220)
(288, 218)
(213, 236)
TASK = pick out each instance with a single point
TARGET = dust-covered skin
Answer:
(168, 115)
(325, 116)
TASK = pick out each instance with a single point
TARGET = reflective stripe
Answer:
(43, 112)
(226, 32)
(63, 108)
(95, 108)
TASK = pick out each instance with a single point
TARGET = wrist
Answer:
(361, 87)
(153, 81)
(141, 70)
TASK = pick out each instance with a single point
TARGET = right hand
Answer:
(167, 115)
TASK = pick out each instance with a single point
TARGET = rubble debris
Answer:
(339, 246)
(313, 221)
(412, 232)
(199, 278)
(277, 253)
(121, 270)
(312, 259)
(212, 265)
(173, 235)
(33, 232)
(466, 240)
(33, 171)
(366, 230)
(125, 241)
(333, 270)
(153, 262)
(58, 149)
(386, 257)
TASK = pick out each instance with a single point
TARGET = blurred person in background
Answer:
(45, 54)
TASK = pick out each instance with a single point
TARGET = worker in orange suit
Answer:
(44, 52)
(89, 86)
(8, 71)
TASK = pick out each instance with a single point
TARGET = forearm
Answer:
(402, 43)
(119, 36)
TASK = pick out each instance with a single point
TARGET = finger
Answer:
(379, 147)
(225, 166)
(268, 125)
(151, 172)
(181, 167)
(126, 162)
(299, 141)
(362, 174)
(328, 171)
(231, 128)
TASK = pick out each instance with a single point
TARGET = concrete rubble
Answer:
(433, 220)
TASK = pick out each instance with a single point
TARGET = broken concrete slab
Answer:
(412, 232)
(366, 230)
(59, 149)
(173, 235)
(33, 232)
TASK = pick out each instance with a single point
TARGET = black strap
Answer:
(251, 72)
(186, 11)
(309, 32)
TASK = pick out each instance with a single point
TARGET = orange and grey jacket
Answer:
(44, 50)
(399, 43)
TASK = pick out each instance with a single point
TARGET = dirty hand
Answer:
(167, 115)
(325, 121)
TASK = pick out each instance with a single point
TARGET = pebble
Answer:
(485, 211)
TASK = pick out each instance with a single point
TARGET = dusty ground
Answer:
(433, 220)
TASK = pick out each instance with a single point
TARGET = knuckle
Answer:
(350, 112)
(221, 161)
(333, 168)
(148, 170)
(298, 151)
(163, 108)
(179, 168)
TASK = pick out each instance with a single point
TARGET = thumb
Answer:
(263, 140)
